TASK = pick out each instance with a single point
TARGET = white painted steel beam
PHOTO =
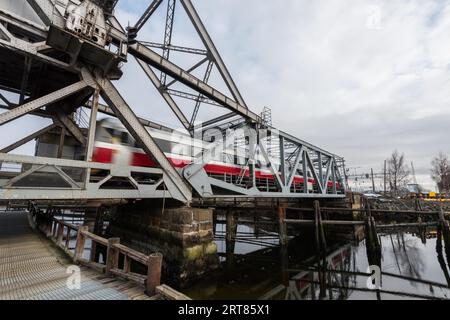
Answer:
(209, 44)
(27, 139)
(152, 58)
(123, 111)
(71, 126)
(41, 102)
(172, 104)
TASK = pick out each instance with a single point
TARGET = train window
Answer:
(125, 138)
(110, 131)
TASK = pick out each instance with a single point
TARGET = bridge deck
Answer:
(32, 268)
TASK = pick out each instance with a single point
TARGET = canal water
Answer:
(256, 267)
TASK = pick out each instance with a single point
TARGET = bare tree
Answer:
(440, 172)
(398, 172)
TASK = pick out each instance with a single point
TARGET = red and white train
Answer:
(113, 144)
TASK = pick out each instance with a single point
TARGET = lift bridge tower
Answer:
(59, 57)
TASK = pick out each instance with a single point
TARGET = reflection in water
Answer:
(339, 278)
(254, 266)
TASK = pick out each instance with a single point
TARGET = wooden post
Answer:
(153, 273)
(93, 254)
(441, 259)
(375, 234)
(48, 224)
(422, 230)
(439, 239)
(323, 241)
(282, 225)
(214, 222)
(81, 240)
(373, 181)
(445, 230)
(446, 233)
(60, 234)
(112, 256)
(67, 238)
(373, 246)
(256, 226)
(55, 228)
(97, 230)
(231, 225)
(316, 228)
(126, 264)
(321, 249)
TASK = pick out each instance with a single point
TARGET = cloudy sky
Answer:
(359, 78)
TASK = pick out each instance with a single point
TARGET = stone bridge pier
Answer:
(184, 236)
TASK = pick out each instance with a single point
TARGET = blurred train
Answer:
(114, 144)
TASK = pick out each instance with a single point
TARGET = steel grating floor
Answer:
(31, 268)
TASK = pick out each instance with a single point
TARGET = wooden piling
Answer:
(440, 255)
(316, 229)
(446, 234)
(256, 224)
(445, 231)
(323, 241)
(373, 246)
(231, 225)
(282, 228)
(321, 249)
(214, 221)
(98, 228)
(153, 273)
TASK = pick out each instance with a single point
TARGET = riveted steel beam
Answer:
(209, 44)
(123, 111)
(41, 102)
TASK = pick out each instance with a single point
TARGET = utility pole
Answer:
(373, 180)
(385, 176)
(414, 173)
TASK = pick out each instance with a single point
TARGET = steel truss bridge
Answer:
(47, 71)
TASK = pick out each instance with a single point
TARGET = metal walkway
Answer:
(31, 268)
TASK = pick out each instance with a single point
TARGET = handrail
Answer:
(59, 232)
(132, 254)
(96, 238)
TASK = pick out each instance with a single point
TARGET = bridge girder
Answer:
(25, 52)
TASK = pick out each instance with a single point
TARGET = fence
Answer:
(119, 258)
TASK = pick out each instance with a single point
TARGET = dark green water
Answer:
(260, 269)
